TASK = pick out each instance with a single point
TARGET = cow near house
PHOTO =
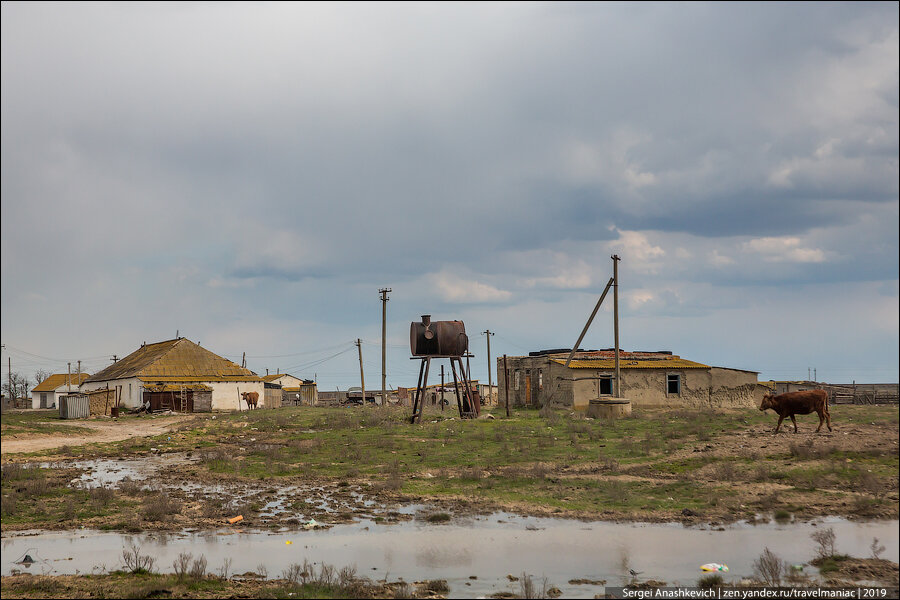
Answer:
(251, 398)
(798, 403)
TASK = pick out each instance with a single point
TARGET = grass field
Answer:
(654, 465)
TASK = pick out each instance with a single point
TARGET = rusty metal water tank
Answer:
(437, 338)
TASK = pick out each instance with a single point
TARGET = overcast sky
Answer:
(250, 175)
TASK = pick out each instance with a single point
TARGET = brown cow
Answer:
(251, 398)
(798, 403)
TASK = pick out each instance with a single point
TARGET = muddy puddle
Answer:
(473, 554)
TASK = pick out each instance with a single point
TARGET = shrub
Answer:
(440, 517)
(824, 538)
(135, 561)
(159, 506)
(769, 568)
(711, 581)
(529, 589)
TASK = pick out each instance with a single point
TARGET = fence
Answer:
(869, 393)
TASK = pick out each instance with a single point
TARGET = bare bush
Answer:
(225, 569)
(296, 573)
(262, 570)
(876, 548)
(182, 565)
(824, 538)
(403, 590)
(159, 506)
(763, 472)
(725, 471)
(769, 568)
(135, 561)
(549, 415)
(198, 568)
(529, 589)
(539, 470)
(101, 496)
(130, 487)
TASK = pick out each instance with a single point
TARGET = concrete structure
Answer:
(648, 379)
(175, 365)
(47, 393)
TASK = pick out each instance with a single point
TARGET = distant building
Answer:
(647, 379)
(294, 391)
(177, 375)
(46, 393)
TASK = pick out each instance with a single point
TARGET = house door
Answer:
(527, 388)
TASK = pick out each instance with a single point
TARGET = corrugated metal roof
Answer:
(175, 360)
(673, 362)
(58, 379)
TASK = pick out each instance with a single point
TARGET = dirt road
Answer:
(100, 431)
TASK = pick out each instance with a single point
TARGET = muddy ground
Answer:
(198, 471)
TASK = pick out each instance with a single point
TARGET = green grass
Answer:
(553, 460)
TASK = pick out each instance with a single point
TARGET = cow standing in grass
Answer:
(798, 403)
(251, 398)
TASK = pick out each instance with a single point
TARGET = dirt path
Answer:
(100, 431)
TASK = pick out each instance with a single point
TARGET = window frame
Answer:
(678, 382)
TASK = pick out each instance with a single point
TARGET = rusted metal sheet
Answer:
(438, 338)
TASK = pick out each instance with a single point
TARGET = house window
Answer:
(673, 384)
(605, 386)
(541, 379)
(517, 381)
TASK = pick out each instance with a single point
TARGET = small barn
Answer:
(176, 375)
(647, 379)
(47, 393)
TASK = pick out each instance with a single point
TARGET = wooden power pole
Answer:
(616, 259)
(384, 300)
(362, 377)
(487, 333)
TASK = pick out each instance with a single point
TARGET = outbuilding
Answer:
(647, 379)
(47, 393)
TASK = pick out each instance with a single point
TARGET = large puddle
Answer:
(474, 555)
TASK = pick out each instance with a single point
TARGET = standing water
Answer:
(473, 555)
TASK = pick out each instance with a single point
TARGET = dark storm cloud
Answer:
(280, 160)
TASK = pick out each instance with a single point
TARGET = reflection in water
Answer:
(488, 549)
(436, 557)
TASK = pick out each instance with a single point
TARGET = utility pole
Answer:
(69, 378)
(442, 388)
(487, 333)
(384, 300)
(244, 361)
(79, 373)
(362, 378)
(616, 259)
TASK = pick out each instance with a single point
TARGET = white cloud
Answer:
(455, 289)
(719, 260)
(784, 249)
(638, 251)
